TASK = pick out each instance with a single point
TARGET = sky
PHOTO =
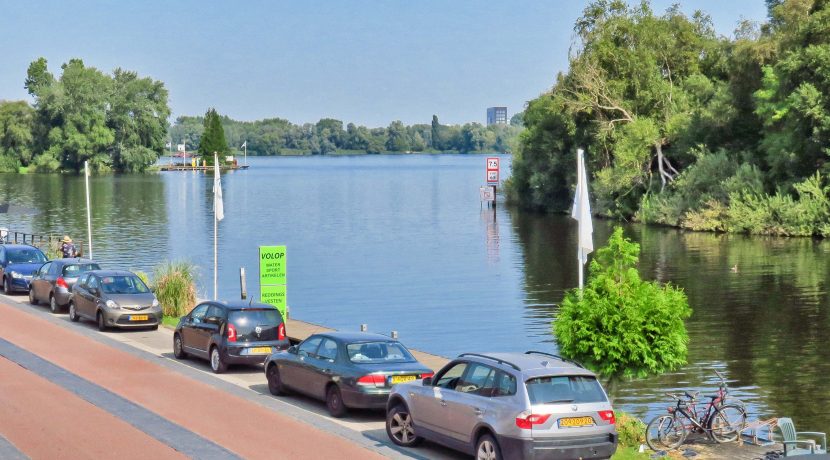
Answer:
(367, 62)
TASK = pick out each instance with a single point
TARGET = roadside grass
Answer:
(630, 453)
(170, 321)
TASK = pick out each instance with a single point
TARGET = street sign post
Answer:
(272, 277)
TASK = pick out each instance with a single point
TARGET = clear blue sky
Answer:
(367, 62)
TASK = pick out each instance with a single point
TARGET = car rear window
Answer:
(247, 320)
(378, 352)
(564, 389)
(75, 270)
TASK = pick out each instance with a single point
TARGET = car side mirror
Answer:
(292, 349)
(427, 381)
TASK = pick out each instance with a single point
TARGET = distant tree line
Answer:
(686, 128)
(276, 136)
(116, 122)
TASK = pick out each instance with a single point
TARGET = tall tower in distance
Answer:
(496, 116)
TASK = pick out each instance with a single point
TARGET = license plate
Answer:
(259, 350)
(402, 378)
(573, 422)
(139, 317)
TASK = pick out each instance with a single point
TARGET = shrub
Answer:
(620, 325)
(175, 287)
(631, 430)
(143, 276)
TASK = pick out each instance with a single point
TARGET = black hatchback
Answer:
(227, 333)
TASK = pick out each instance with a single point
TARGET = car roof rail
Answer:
(534, 352)
(500, 361)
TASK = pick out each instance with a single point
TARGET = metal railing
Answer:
(48, 243)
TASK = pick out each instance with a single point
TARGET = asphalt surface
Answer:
(149, 405)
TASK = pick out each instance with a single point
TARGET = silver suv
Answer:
(530, 405)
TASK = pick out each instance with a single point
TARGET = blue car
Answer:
(18, 262)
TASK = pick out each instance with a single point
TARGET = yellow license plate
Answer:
(259, 350)
(139, 317)
(402, 378)
(572, 422)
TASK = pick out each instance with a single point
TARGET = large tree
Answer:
(213, 138)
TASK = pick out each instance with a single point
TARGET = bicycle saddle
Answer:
(692, 395)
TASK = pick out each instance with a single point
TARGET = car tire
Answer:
(178, 347)
(99, 318)
(32, 299)
(487, 448)
(53, 305)
(334, 402)
(73, 315)
(275, 385)
(216, 364)
(6, 286)
(399, 427)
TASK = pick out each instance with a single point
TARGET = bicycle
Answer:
(721, 421)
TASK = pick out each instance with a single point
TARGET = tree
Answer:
(16, 122)
(213, 138)
(620, 325)
(396, 137)
(436, 133)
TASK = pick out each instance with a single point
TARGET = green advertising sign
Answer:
(271, 265)
(275, 295)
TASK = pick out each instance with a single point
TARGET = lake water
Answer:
(402, 243)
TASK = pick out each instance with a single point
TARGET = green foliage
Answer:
(213, 138)
(631, 430)
(276, 136)
(620, 325)
(175, 288)
(115, 122)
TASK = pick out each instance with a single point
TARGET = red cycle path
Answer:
(46, 421)
(243, 427)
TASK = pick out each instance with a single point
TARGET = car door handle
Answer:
(478, 411)
(327, 371)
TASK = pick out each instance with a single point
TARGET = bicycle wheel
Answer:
(727, 422)
(665, 432)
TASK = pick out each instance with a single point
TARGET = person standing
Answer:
(67, 248)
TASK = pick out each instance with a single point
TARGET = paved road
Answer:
(137, 401)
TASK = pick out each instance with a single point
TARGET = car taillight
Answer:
(376, 380)
(281, 332)
(60, 282)
(427, 375)
(526, 420)
(608, 416)
(231, 333)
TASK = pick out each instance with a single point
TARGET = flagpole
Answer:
(88, 209)
(215, 233)
(579, 167)
(246, 151)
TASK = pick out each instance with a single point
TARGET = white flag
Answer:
(218, 209)
(582, 211)
(180, 148)
(244, 144)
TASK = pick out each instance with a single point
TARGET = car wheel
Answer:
(73, 315)
(399, 427)
(178, 349)
(53, 305)
(487, 448)
(275, 385)
(6, 286)
(216, 364)
(32, 298)
(334, 402)
(102, 326)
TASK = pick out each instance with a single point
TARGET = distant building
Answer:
(496, 116)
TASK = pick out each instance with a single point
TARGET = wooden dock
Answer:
(199, 168)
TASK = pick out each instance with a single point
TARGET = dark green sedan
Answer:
(344, 369)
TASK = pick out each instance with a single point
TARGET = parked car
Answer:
(507, 405)
(344, 369)
(227, 333)
(18, 262)
(114, 298)
(52, 282)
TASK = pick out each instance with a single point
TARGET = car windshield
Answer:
(75, 270)
(564, 389)
(378, 352)
(25, 256)
(123, 284)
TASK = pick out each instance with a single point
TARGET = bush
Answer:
(175, 287)
(631, 430)
(620, 325)
(143, 277)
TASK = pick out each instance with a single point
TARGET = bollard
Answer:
(364, 327)
(243, 288)
(394, 335)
